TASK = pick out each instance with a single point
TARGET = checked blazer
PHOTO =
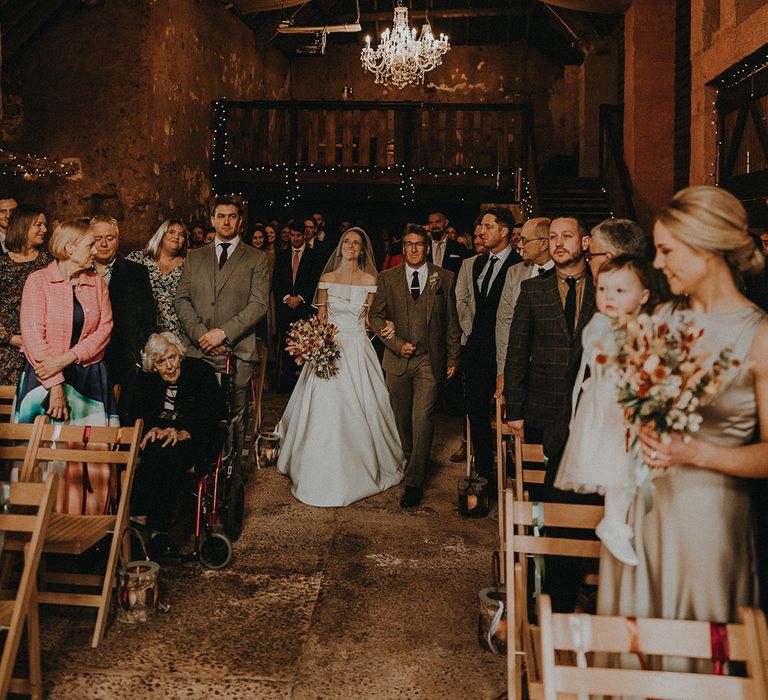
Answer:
(540, 350)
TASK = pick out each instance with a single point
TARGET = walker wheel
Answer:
(235, 509)
(215, 551)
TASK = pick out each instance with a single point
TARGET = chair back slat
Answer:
(557, 546)
(684, 642)
(7, 394)
(99, 452)
(689, 638)
(647, 684)
(106, 445)
(96, 434)
(567, 515)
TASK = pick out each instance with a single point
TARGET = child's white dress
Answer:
(596, 457)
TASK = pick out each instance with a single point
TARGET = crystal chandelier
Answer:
(401, 59)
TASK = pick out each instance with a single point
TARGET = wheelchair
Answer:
(220, 493)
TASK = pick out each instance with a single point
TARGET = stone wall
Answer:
(127, 87)
(507, 74)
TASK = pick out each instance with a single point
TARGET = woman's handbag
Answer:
(137, 586)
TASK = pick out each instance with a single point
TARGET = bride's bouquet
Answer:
(662, 381)
(311, 341)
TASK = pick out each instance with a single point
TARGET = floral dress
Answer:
(13, 275)
(163, 290)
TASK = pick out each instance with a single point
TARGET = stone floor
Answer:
(366, 601)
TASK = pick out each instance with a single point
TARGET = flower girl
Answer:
(597, 458)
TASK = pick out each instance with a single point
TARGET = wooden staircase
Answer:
(583, 197)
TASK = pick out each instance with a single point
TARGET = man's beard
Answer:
(576, 257)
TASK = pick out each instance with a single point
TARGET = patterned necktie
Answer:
(570, 305)
(438, 253)
(487, 279)
(415, 287)
(294, 265)
(223, 256)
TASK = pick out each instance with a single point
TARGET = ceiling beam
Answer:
(447, 13)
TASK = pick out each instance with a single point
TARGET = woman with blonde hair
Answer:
(164, 257)
(66, 323)
(696, 546)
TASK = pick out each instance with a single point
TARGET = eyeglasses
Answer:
(588, 255)
(526, 241)
(417, 244)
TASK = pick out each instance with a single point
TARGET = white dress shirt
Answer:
(536, 270)
(230, 249)
(501, 256)
(422, 271)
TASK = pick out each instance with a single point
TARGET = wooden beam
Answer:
(450, 13)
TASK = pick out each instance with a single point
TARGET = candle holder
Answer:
(473, 496)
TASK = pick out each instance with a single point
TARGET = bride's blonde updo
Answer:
(713, 220)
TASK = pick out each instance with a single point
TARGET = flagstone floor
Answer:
(366, 601)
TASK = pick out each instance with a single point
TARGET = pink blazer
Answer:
(47, 312)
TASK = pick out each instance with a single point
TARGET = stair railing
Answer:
(613, 169)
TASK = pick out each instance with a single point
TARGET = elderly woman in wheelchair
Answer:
(181, 403)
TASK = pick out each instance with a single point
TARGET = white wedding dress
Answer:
(339, 442)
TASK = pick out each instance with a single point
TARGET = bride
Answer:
(339, 438)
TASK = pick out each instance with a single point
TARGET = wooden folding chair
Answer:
(524, 537)
(524, 453)
(254, 410)
(22, 608)
(7, 394)
(73, 533)
(647, 639)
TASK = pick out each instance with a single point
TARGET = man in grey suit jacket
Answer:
(423, 350)
(534, 248)
(222, 295)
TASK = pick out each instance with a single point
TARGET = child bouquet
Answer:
(311, 341)
(662, 381)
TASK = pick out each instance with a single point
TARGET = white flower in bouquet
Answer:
(314, 342)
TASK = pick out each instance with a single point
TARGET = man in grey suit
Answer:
(537, 260)
(222, 295)
(418, 297)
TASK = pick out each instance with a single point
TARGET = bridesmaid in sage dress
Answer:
(696, 545)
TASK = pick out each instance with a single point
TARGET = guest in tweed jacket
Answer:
(541, 345)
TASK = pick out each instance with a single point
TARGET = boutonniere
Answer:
(434, 278)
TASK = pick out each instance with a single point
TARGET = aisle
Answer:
(366, 601)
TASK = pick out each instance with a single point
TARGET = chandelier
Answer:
(401, 59)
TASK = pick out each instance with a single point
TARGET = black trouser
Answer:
(479, 386)
(158, 481)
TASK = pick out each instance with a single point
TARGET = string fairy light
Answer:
(291, 173)
(31, 167)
